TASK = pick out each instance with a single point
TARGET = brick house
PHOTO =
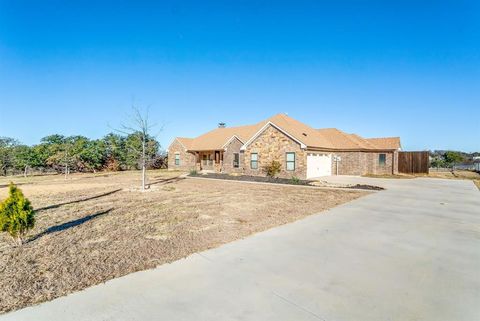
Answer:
(303, 151)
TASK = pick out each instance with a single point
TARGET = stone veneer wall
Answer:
(272, 145)
(380, 170)
(361, 163)
(187, 160)
(233, 147)
(395, 162)
(352, 163)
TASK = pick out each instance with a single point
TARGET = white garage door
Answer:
(319, 164)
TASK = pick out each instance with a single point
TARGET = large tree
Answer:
(452, 157)
(64, 152)
(7, 153)
(93, 155)
(26, 157)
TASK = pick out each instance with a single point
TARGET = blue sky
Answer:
(376, 68)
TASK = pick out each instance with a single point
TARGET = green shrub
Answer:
(295, 180)
(16, 215)
(193, 172)
(273, 168)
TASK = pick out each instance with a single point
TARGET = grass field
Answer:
(475, 177)
(95, 227)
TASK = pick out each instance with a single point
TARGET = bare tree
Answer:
(66, 158)
(139, 123)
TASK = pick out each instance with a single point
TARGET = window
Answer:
(177, 159)
(290, 161)
(254, 161)
(236, 160)
(382, 158)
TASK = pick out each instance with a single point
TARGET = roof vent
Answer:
(222, 125)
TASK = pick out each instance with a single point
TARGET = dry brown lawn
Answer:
(92, 228)
(458, 174)
(470, 175)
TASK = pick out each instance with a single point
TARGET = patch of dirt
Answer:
(93, 228)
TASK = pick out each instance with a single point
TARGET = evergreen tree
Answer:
(16, 215)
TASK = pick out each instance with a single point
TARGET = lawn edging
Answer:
(346, 188)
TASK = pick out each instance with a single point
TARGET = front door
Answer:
(207, 160)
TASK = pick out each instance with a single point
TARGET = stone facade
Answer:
(374, 166)
(352, 163)
(187, 160)
(361, 163)
(272, 145)
(228, 157)
(395, 162)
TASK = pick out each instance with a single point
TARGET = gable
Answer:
(270, 137)
(233, 140)
(176, 146)
(233, 144)
(268, 126)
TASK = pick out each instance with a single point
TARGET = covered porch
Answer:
(211, 160)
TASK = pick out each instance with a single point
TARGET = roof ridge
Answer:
(322, 138)
(304, 133)
(386, 137)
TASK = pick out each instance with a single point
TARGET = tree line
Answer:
(447, 159)
(66, 154)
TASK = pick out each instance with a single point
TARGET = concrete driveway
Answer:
(411, 252)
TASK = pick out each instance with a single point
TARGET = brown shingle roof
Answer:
(327, 138)
(187, 142)
(217, 138)
(340, 140)
(343, 141)
(363, 142)
(386, 142)
(302, 132)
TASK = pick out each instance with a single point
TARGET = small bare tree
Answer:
(67, 158)
(139, 124)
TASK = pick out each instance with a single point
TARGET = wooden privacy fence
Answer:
(413, 162)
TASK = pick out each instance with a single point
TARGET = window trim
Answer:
(384, 160)
(294, 161)
(238, 162)
(253, 161)
(177, 160)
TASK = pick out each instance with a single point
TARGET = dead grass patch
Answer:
(93, 228)
(469, 175)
